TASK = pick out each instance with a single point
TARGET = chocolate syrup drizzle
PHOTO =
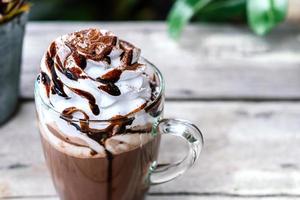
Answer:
(110, 158)
(92, 44)
(92, 101)
(58, 86)
(110, 77)
(88, 44)
(79, 59)
(96, 47)
(46, 81)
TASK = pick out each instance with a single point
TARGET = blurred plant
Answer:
(83, 10)
(261, 15)
(12, 8)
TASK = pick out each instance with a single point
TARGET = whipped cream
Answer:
(93, 75)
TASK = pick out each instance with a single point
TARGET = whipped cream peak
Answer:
(94, 67)
(93, 75)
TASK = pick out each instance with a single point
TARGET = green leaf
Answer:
(223, 11)
(263, 15)
(181, 13)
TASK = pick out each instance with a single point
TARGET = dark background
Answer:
(108, 10)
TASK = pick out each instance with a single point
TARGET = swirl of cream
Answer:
(93, 75)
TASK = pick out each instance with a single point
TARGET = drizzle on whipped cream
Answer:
(93, 75)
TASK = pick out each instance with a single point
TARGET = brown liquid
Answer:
(122, 176)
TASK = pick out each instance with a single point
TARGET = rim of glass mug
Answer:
(161, 89)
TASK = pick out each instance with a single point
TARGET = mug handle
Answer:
(192, 135)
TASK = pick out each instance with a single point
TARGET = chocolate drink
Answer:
(116, 177)
(97, 104)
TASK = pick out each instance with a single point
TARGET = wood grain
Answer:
(209, 62)
(251, 150)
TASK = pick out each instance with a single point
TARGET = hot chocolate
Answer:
(119, 175)
(97, 103)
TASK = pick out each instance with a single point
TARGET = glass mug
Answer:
(129, 166)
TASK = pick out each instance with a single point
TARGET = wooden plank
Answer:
(251, 149)
(209, 62)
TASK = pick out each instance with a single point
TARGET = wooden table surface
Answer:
(243, 91)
